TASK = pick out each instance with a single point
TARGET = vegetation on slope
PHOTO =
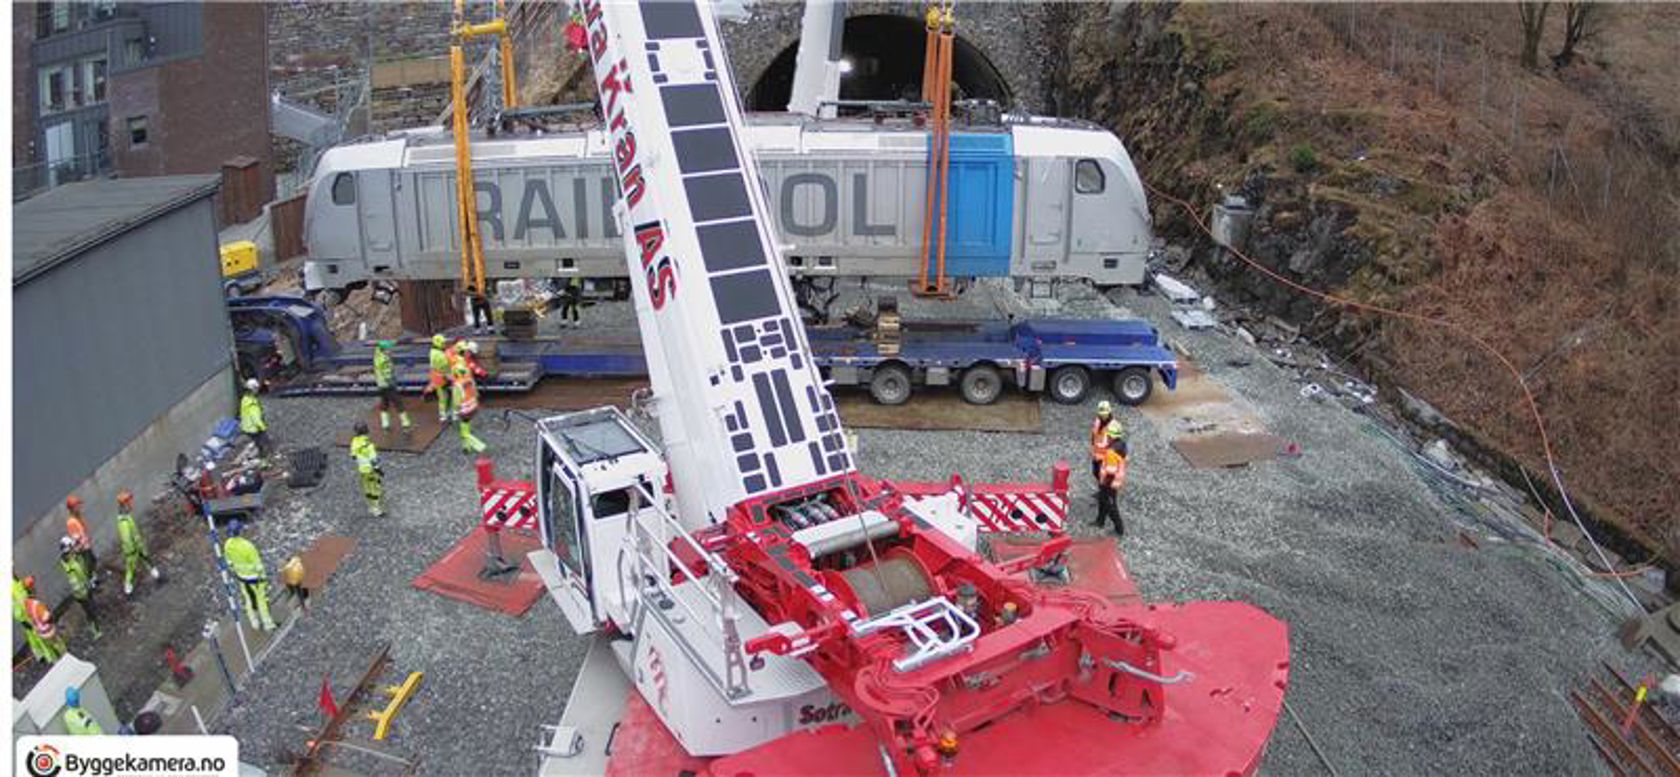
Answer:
(1403, 156)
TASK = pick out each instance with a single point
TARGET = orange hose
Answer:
(1516, 375)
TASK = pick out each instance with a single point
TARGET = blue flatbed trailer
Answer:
(1068, 358)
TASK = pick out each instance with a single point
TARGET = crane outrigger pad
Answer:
(456, 575)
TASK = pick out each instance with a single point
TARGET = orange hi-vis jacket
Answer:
(438, 378)
(77, 530)
(1099, 437)
(1113, 471)
(466, 373)
(41, 616)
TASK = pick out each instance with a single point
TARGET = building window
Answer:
(344, 189)
(104, 9)
(136, 131)
(78, 87)
(96, 80)
(60, 17)
(55, 90)
(1088, 177)
(134, 51)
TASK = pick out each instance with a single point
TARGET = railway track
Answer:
(1633, 743)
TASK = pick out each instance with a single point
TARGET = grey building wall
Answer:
(122, 359)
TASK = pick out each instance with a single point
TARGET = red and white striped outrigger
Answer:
(1004, 508)
(505, 504)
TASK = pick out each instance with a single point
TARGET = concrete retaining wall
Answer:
(142, 467)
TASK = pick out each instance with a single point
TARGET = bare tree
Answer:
(1579, 21)
(1533, 16)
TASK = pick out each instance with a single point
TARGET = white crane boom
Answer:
(741, 406)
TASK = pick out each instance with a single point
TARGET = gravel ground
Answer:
(1412, 653)
(489, 678)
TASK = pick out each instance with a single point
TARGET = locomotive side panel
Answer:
(844, 203)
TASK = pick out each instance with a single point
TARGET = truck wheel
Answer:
(1133, 385)
(1070, 384)
(981, 384)
(890, 385)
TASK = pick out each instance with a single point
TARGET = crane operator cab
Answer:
(595, 470)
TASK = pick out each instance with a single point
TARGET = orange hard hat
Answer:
(73, 502)
(125, 498)
(29, 583)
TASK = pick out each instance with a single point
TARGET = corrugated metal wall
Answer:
(105, 344)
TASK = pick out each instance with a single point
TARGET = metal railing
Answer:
(653, 532)
(30, 180)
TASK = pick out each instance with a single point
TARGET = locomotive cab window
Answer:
(1088, 177)
(344, 189)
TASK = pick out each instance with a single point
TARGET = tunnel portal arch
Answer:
(886, 52)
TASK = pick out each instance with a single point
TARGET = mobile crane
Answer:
(777, 611)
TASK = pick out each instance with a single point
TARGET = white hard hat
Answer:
(251, 384)
(472, 346)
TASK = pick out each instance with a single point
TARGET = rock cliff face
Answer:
(1458, 189)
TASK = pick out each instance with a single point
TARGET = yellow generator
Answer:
(241, 267)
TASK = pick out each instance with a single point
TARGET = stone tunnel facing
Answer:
(886, 53)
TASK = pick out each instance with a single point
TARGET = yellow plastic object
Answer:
(239, 257)
(399, 695)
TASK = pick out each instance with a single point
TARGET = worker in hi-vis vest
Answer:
(246, 564)
(21, 590)
(385, 378)
(465, 373)
(76, 574)
(366, 457)
(77, 721)
(251, 417)
(133, 543)
(1111, 479)
(75, 526)
(1099, 438)
(438, 380)
(48, 644)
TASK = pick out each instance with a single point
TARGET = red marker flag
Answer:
(326, 702)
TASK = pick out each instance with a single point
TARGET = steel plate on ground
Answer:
(1208, 451)
(1200, 405)
(416, 440)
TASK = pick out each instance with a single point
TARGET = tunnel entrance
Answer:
(886, 53)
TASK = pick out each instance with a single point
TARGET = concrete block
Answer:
(1194, 319)
(1177, 291)
(44, 704)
